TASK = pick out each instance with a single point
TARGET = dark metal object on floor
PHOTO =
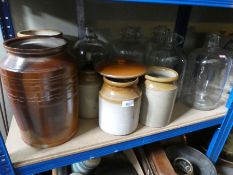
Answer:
(183, 166)
(201, 164)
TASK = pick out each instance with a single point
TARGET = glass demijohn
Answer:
(229, 85)
(90, 50)
(208, 69)
(131, 46)
(163, 51)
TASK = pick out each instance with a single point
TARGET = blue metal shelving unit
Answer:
(215, 146)
(209, 3)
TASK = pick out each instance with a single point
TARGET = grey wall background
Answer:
(107, 18)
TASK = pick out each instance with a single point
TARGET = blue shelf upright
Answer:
(6, 20)
(217, 143)
(6, 167)
(7, 29)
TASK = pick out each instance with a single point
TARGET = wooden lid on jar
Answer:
(121, 68)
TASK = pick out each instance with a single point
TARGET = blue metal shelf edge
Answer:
(208, 3)
(67, 160)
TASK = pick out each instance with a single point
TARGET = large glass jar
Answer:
(90, 50)
(159, 36)
(165, 53)
(208, 69)
(130, 45)
(229, 85)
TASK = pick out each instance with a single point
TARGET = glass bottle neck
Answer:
(213, 41)
(90, 34)
(131, 33)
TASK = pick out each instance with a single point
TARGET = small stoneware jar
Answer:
(120, 98)
(85, 167)
(40, 32)
(89, 86)
(119, 104)
(159, 94)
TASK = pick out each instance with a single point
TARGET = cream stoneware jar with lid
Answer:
(120, 97)
(159, 94)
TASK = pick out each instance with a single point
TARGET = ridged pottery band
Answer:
(119, 106)
(159, 94)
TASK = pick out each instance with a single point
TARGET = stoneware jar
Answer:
(120, 97)
(85, 167)
(40, 80)
(159, 94)
(40, 32)
(89, 86)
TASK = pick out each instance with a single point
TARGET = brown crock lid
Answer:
(121, 68)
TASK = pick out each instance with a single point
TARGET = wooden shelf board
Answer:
(90, 136)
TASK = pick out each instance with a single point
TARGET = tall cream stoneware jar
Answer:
(120, 97)
(89, 86)
(159, 94)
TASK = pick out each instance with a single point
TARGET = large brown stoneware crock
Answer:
(41, 82)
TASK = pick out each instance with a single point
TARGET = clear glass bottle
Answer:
(208, 69)
(229, 85)
(164, 51)
(159, 35)
(130, 45)
(90, 50)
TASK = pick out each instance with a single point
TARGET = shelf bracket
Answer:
(182, 20)
(80, 13)
(217, 143)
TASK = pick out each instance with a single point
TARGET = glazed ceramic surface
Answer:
(89, 87)
(121, 68)
(41, 32)
(119, 106)
(159, 93)
(41, 83)
(85, 167)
